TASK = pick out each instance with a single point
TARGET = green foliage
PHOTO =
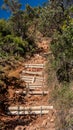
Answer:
(51, 18)
(16, 35)
(55, 21)
(4, 28)
(63, 96)
(15, 45)
(62, 48)
(20, 46)
(12, 5)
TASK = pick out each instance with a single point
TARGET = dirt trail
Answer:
(33, 122)
(44, 122)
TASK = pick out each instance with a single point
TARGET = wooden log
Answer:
(26, 77)
(20, 92)
(32, 92)
(34, 65)
(28, 112)
(37, 83)
(38, 92)
(34, 87)
(27, 80)
(31, 72)
(32, 78)
(31, 81)
(20, 110)
(15, 108)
